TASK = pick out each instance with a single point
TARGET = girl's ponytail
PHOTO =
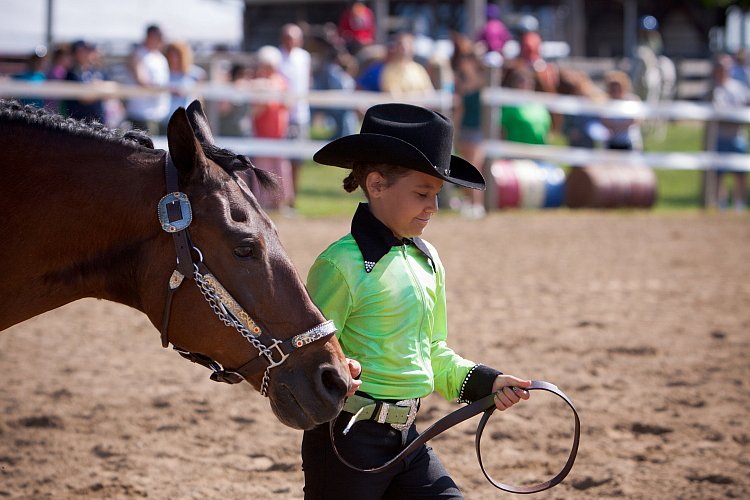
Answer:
(357, 178)
(350, 182)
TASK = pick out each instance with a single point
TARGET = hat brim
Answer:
(365, 147)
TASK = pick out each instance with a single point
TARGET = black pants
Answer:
(368, 445)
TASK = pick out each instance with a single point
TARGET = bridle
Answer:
(175, 215)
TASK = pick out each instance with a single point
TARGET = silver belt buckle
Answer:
(413, 405)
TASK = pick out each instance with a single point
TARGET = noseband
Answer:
(175, 215)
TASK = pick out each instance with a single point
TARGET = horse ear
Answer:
(185, 148)
(199, 122)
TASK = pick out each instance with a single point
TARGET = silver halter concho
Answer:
(175, 215)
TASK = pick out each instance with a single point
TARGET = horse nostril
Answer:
(333, 383)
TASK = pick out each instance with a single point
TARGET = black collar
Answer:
(375, 239)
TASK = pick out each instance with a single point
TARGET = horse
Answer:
(85, 211)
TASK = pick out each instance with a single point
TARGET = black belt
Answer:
(486, 405)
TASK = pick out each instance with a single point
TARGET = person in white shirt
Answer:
(149, 68)
(296, 68)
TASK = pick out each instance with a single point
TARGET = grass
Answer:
(321, 194)
(678, 189)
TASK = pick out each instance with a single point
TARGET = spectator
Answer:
(528, 123)
(545, 74)
(494, 34)
(85, 71)
(149, 68)
(271, 121)
(624, 132)
(582, 130)
(60, 63)
(731, 137)
(468, 75)
(401, 74)
(58, 70)
(332, 74)
(372, 67)
(357, 26)
(740, 69)
(234, 117)
(182, 77)
(654, 75)
(220, 65)
(34, 72)
(297, 69)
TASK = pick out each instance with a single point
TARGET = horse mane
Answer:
(232, 163)
(13, 111)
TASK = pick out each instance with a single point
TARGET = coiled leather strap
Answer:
(486, 405)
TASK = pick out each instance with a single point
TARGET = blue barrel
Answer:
(554, 184)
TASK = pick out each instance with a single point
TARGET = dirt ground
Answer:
(641, 318)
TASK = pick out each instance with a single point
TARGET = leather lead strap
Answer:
(486, 405)
(557, 479)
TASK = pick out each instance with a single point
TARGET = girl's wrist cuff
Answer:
(478, 383)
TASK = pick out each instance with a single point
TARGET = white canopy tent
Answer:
(26, 24)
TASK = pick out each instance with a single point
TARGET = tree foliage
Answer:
(723, 4)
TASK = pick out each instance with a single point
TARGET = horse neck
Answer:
(79, 214)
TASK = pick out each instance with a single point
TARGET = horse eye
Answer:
(244, 252)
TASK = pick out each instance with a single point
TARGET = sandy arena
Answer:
(641, 318)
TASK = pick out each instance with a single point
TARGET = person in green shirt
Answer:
(384, 288)
(528, 122)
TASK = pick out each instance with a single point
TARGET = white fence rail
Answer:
(492, 97)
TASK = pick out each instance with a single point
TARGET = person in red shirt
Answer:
(271, 121)
(357, 26)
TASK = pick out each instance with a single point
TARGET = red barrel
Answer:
(506, 184)
(610, 186)
(643, 188)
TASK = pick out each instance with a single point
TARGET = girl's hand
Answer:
(509, 390)
(355, 370)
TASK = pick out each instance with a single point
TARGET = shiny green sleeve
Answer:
(449, 369)
(330, 291)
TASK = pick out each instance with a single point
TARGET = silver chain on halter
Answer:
(175, 215)
(217, 305)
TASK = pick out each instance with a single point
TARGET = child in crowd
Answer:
(384, 287)
(624, 132)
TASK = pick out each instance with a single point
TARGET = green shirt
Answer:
(390, 311)
(526, 123)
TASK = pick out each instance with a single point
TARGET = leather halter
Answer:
(175, 215)
(486, 405)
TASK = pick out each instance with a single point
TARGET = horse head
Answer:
(250, 302)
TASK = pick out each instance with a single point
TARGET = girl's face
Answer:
(407, 205)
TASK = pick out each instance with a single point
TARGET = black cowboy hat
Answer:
(405, 135)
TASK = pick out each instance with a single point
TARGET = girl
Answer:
(384, 288)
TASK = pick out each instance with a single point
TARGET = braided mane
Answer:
(15, 112)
